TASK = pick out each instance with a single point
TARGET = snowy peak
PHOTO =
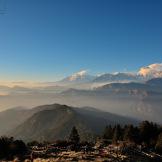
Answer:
(79, 77)
(151, 71)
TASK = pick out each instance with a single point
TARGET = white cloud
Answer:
(153, 70)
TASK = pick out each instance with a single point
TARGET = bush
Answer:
(10, 148)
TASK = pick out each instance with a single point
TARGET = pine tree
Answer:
(131, 134)
(117, 133)
(74, 136)
(108, 132)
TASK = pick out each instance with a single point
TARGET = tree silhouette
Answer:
(108, 132)
(18, 148)
(117, 133)
(131, 134)
(148, 132)
(74, 136)
(158, 146)
(5, 143)
(10, 148)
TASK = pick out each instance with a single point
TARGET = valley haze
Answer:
(136, 95)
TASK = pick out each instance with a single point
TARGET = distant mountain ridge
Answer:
(155, 82)
(125, 77)
(84, 77)
(118, 77)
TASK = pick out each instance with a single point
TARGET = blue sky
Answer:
(44, 40)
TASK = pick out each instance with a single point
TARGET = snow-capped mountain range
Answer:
(84, 77)
(144, 74)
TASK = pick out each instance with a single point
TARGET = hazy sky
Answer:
(44, 40)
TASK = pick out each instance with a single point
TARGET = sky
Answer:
(45, 40)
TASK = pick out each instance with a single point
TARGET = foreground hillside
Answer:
(118, 143)
(51, 122)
